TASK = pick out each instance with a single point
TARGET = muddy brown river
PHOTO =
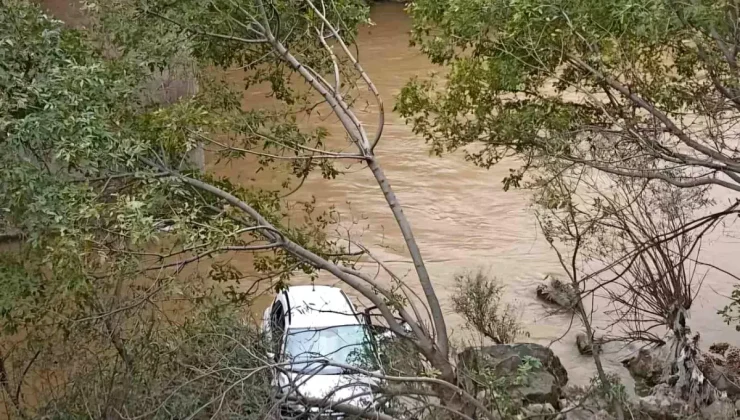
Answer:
(462, 218)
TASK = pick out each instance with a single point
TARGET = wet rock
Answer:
(648, 365)
(584, 414)
(723, 380)
(582, 403)
(661, 408)
(584, 347)
(722, 368)
(582, 398)
(506, 358)
(722, 409)
(573, 413)
(719, 348)
(557, 292)
(663, 404)
(539, 386)
(483, 396)
(540, 411)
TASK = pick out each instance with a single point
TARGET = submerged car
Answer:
(323, 351)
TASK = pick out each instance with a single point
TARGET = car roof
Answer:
(319, 307)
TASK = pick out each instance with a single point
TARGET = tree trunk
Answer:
(605, 384)
(692, 385)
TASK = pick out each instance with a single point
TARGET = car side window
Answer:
(277, 321)
(281, 321)
(278, 318)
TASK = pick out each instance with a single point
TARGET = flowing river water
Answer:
(462, 218)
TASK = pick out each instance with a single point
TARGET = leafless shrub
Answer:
(660, 279)
(478, 299)
(637, 244)
(210, 366)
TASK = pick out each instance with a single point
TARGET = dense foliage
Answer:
(123, 298)
(634, 88)
(606, 97)
(120, 300)
(610, 108)
(92, 163)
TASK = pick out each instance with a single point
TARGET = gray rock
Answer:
(719, 348)
(722, 368)
(722, 409)
(506, 358)
(540, 386)
(582, 403)
(663, 404)
(583, 345)
(584, 414)
(557, 292)
(661, 408)
(723, 380)
(648, 365)
(540, 411)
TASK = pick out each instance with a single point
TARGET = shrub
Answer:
(478, 299)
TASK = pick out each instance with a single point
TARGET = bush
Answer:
(210, 366)
(478, 299)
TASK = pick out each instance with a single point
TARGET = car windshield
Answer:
(347, 344)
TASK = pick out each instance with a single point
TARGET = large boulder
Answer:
(584, 347)
(537, 386)
(557, 292)
(649, 364)
(580, 413)
(722, 409)
(663, 404)
(721, 366)
(722, 378)
(539, 411)
(582, 403)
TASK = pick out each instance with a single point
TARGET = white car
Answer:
(310, 328)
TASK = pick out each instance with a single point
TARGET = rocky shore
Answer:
(529, 381)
